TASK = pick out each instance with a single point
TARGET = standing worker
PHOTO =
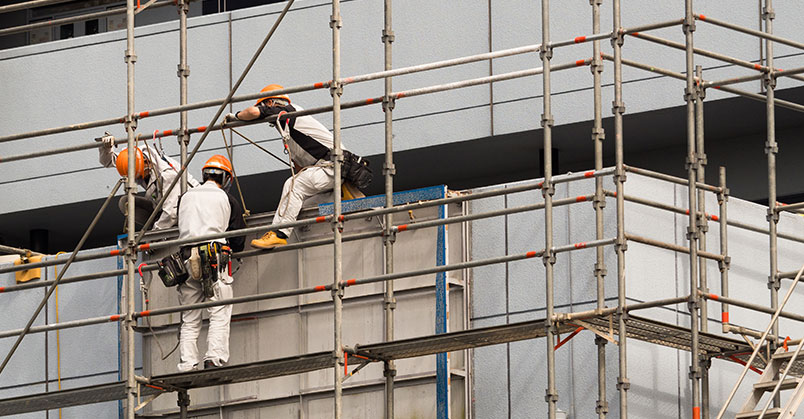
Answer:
(153, 171)
(309, 144)
(204, 210)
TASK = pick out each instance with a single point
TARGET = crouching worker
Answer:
(154, 172)
(205, 210)
(309, 144)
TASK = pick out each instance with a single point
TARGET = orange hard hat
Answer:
(139, 163)
(270, 88)
(218, 162)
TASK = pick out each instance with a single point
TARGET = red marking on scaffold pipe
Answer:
(144, 247)
(635, 34)
(713, 296)
(340, 218)
(114, 252)
(320, 287)
(784, 343)
(144, 114)
(696, 412)
(114, 318)
(579, 39)
(139, 268)
(319, 85)
(540, 185)
(320, 219)
(757, 66)
(530, 254)
(145, 313)
(167, 132)
(702, 17)
(403, 227)
(741, 362)
(724, 317)
(714, 217)
(155, 387)
(400, 95)
(2, 289)
(580, 63)
(202, 128)
(369, 101)
(572, 335)
(580, 245)
(590, 173)
(345, 363)
(580, 198)
(351, 282)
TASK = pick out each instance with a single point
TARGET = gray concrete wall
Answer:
(509, 380)
(83, 79)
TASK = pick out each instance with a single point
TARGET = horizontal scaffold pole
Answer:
(676, 75)
(325, 241)
(311, 111)
(308, 290)
(30, 5)
(748, 31)
(347, 80)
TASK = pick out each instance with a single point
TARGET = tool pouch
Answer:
(209, 271)
(172, 270)
(356, 170)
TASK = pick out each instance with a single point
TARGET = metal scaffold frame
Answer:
(696, 339)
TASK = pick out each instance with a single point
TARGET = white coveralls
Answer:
(167, 168)
(309, 145)
(204, 210)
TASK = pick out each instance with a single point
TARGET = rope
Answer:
(259, 146)
(246, 212)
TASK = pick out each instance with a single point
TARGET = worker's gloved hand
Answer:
(108, 141)
(230, 117)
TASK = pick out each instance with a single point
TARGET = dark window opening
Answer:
(66, 31)
(91, 27)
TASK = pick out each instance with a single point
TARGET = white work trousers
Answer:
(219, 318)
(309, 182)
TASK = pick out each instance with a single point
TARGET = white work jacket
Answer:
(167, 169)
(204, 210)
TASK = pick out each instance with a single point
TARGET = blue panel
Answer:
(442, 366)
(378, 201)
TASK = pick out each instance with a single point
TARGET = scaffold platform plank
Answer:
(637, 328)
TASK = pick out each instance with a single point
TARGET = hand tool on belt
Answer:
(206, 261)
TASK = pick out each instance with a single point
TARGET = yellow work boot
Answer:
(269, 240)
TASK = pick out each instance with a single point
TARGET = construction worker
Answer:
(204, 210)
(309, 144)
(154, 171)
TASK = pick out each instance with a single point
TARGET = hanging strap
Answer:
(246, 211)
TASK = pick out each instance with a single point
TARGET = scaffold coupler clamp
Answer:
(389, 369)
(131, 120)
(336, 88)
(694, 303)
(545, 51)
(390, 303)
(692, 232)
(623, 383)
(599, 201)
(183, 71)
(618, 37)
(602, 406)
(695, 371)
(183, 399)
(549, 258)
(621, 243)
(389, 235)
(184, 5)
(724, 264)
(335, 21)
(388, 169)
(772, 214)
(688, 25)
(388, 36)
(596, 2)
(548, 189)
(768, 13)
(774, 282)
(769, 79)
(130, 56)
(388, 103)
(622, 313)
(600, 269)
(617, 107)
(550, 397)
(337, 291)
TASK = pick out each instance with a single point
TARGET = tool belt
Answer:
(356, 170)
(202, 262)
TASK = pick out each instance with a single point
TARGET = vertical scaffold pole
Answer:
(722, 201)
(618, 109)
(336, 90)
(389, 170)
(131, 254)
(771, 148)
(692, 228)
(703, 227)
(551, 396)
(183, 73)
(598, 136)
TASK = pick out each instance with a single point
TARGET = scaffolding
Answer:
(696, 339)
